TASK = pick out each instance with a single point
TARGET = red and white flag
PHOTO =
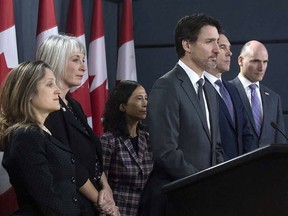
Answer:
(47, 24)
(8, 60)
(97, 68)
(75, 26)
(126, 66)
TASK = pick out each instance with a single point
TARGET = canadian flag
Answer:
(126, 66)
(47, 24)
(97, 68)
(8, 60)
(75, 26)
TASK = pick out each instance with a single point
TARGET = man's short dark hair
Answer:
(188, 28)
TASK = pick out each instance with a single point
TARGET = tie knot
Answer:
(200, 82)
(219, 83)
(253, 86)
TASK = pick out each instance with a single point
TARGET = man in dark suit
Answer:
(253, 61)
(236, 134)
(184, 134)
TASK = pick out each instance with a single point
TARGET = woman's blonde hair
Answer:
(16, 92)
(56, 50)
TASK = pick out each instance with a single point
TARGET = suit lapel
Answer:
(225, 109)
(70, 118)
(190, 92)
(265, 106)
(128, 145)
(246, 102)
(213, 106)
(59, 144)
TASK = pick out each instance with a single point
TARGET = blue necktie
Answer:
(256, 108)
(226, 98)
(200, 96)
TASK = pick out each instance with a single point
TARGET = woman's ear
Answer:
(122, 108)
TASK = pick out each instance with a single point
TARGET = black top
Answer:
(134, 141)
(85, 145)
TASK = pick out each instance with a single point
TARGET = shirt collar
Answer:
(193, 76)
(245, 82)
(212, 79)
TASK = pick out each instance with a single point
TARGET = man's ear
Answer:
(186, 45)
(240, 59)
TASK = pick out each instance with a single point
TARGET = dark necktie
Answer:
(200, 96)
(256, 108)
(226, 98)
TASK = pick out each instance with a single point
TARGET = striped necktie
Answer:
(256, 108)
(226, 98)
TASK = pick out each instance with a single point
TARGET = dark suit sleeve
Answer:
(164, 128)
(29, 151)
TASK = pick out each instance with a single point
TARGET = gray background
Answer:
(154, 23)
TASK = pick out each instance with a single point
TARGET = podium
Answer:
(255, 184)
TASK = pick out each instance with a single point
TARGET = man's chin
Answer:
(211, 66)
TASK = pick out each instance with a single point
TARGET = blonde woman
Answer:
(66, 56)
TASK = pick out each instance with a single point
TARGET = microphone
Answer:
(275, 126)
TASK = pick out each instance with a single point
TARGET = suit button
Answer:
(72, 160)
(74, 199)
(73, 180)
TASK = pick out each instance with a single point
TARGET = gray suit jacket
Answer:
(181, 142)
(272, 112)
(180, 139)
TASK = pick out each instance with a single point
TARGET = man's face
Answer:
(253, 63)
(224, 56)
(204, 51)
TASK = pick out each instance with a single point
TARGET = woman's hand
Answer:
(106, 202)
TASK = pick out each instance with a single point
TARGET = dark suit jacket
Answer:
(42, 171)
(272, 112)
(79, 136)
(236, 138)
(181, 141)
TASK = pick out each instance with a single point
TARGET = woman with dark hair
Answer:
(127, 157)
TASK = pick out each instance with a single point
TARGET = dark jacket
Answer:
(42, 171)
(76, 133)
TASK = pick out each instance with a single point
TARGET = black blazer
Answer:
(42, 171)
(79, 136)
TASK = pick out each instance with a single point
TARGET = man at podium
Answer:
(183, 111)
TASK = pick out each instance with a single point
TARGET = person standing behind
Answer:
(262, 105)
(236, 134)
(183, 111)
(39, 166)
(127, 155)
(66, 56)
